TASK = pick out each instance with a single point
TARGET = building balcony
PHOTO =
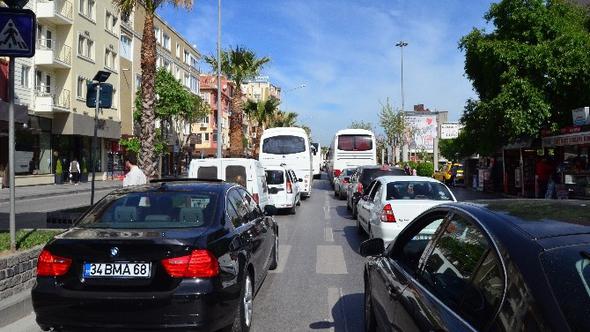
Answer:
(52, 55)
(58, 12)
(47, 101)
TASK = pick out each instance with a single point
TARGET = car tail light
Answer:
(289, 187)
(359, 188)
(199, 264)
(50, 265)
(337, 172)
(256, 198)
(387, 214)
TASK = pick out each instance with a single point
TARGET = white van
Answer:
(247, 172)
(288, 147)
(316, 160)
(283, 188)
(351, 148)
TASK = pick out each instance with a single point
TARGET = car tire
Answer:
(241, 322)
(299, 201)
(370, 325)
(293, 210)
(275, 255)
(336, 193)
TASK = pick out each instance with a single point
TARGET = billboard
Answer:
(581, 116)
(450, 130)
(424, 129)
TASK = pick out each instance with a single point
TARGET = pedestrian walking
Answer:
(135, 175)
(407, 169)
(74, 171)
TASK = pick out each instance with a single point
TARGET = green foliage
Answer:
(238, 64)
(262, 111)
(283, 119)
(394, 125)
(425, 169)
(26, 239)
(361, 125)
(412, 164)
(131, 144)
(59, 170)
(529, 72)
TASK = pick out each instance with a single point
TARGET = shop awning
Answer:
(567, 139)
(21, 113)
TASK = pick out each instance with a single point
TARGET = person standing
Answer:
(74, 170)
(135, 176)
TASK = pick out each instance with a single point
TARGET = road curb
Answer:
(65, 193)
(15, 307)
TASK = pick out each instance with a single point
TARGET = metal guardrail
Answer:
(64, 8)
(63, 99)
(64, 54)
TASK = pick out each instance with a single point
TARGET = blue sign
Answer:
(17, 32)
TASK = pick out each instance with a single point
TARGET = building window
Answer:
(126, 47)
(194, 62)
(110, 22)
(195, 84)
(168, 65)
(91, 4)
(82, 9)
(81, 88)
(85, 47)
(187, 57)
(199, 139)
(137, 82)
(187, 80)
(24, 76)
(167, 42)
(177, 50)
(110, 59)
(205, 120)
(87, 8)
(158, 34)
(177, 72)
(206, 136)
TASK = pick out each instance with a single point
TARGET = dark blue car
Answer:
(505, 265)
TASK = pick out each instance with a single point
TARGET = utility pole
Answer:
(219, 110)
(11, 147)
(401, 44)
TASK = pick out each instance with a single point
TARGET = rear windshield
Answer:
(152, 210)
(207, 173)
(370, 174)
(418, 190)
(275, 177)
(355, 142)
(283, 144)
(568, 272)
(236, 174)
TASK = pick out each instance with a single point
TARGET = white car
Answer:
(283, 188)
(394, 201)
(246, 172)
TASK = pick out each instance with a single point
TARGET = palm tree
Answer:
(262, 112)
(147, 157)
(239, 65)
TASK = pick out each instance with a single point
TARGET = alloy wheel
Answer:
(248, 301)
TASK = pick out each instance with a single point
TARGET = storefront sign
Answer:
(569, 139)
(581, 116)
(450, 130)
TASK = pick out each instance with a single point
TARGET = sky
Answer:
(344, 52)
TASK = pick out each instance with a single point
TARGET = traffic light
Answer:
(106, 95)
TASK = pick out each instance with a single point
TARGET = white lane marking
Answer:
(284, 250)
(330, 260)
(328, 234)
(327, 212)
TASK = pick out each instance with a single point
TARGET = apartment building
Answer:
(75, 39)
(204, 138)
(257, 89)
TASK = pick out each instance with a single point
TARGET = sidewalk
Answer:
(56, 189)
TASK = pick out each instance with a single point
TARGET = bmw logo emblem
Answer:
(114, 251)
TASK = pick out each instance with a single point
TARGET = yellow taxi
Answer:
(450, 173)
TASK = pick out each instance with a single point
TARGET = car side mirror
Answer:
(372, 247)
(300, 180)
(273, 190)
(270, 210)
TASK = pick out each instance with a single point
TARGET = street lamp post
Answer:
(100, 77)
(401, 44)
(219, 115)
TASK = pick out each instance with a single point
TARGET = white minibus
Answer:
(350, 148)
(288, 147)
(316, 160)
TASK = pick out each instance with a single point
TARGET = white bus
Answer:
(316, 160)
(289, 147)
(351, 148)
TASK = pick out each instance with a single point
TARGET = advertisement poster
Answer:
(450, 130)
(424, 128)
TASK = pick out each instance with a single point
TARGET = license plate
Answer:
(117, 270)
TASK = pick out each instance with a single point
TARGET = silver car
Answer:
(341, 182)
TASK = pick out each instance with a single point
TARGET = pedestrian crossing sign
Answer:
(17, 32)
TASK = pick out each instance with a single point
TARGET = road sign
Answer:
(17, 32)
(106, 95)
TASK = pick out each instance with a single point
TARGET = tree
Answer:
(361, 125)
(529, 72)
(175, 108)
(147, 160)
(394, 124)
(283, 119)
(262, 112)
(238, 65)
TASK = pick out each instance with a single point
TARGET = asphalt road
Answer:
(318, 284)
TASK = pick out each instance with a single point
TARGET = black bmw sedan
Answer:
(187, 255)
(505, 265)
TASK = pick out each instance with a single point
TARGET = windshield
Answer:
(275, 177)
(418, 190)
(355, 142)
(370, 174)
(283, 144)
(152, 210)
(568, 272)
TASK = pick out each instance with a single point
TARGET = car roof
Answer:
(188, 185)
(354, 131)
(538, 218)
(397, 178)
(246, 161)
